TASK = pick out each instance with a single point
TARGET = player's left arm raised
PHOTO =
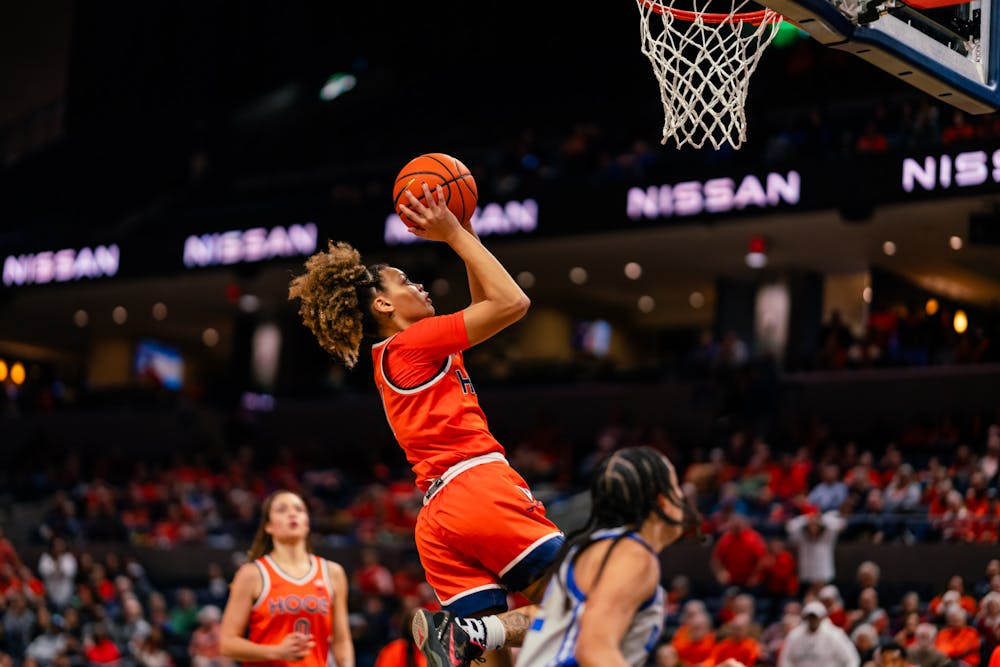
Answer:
(629, 578)
(340, 639)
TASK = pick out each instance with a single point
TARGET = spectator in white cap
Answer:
(817, 642)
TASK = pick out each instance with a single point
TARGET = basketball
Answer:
(437, 169)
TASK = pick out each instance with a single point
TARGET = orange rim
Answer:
(755, 18)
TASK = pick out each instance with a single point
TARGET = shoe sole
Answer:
(422, 630)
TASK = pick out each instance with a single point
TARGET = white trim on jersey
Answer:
(445, 367)
(457, 469)
(463, 594)
(265, 587)
(521, 556)
(323, 565)
(289, 578)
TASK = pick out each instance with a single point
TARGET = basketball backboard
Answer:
(946, 48)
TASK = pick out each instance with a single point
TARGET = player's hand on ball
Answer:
(433, 220)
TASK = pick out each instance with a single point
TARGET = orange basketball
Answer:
(437, 169)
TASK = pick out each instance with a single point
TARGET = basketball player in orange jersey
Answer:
(286, 605)
(481, 533)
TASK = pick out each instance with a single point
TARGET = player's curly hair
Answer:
(335, 296)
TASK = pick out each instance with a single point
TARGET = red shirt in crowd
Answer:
(739, 552)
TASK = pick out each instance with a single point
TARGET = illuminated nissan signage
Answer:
(716, 195)
(941, 172)
(250, 245)
(61, 266)
(492, 219)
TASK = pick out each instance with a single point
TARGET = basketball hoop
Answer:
(703, 62)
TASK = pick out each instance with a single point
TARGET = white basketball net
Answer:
(704, 68)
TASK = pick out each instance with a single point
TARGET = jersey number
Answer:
(302, 625)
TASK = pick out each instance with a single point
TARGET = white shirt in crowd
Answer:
(829, 646)
(58, 576)
(815, 555)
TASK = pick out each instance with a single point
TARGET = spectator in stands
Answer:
(865, 639)
(817, 643)
(739, 645)
(401, 652)
(184, 615)
(814, 536)
(152, 652)
(677, 595)
(694, 640)
(205, 648)
(135, 629)
(100, 649)
(18, 623)
(957, 640)
(908, 604)
(373, 578)
(50, 640)
(955, 593)
(773, 638)
(778, 576)
(924, 653)
(830, 597)
(738, 555)
(989, 464)
(57, 567)
(902, 495)
(831, 492)
(907, 635)
(868, 613)
(992, 570)
(665, 655)
(742, 605)
(891, 654)
(987, 622)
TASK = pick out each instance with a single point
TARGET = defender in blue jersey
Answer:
(604, 605)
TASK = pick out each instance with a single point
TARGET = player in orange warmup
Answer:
(481, 532)
(286, 605)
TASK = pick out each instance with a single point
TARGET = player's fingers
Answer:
(414, 202)
(414, 217)
(441, 200)
(432, 202)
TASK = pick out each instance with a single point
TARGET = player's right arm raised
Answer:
(245, 589)
(504, 302)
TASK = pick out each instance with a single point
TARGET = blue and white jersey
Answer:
(551, 640)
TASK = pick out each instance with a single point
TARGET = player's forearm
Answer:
(475, 287)
(244, 650)
(516, 623)
(343, 653)
(496, 284)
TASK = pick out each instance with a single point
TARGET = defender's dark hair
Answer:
(624, 491)
(336, 293)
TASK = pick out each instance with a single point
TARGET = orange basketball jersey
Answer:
(429, 399)
(288, 605)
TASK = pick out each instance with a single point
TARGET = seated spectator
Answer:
(983, 586)
(891, 654)
(957, 640)
(907, 635)
(205, 647)
(830, 597)
(924, 653)
(738, 555)
(694, 641)
(665, 655)
(773, 638)
(955, 593)
(987, 622)
(739, 645)
(830, 493)
(902, 495)
(909, 604)
(869, 613)
(151, 651)
(51, 641)
(678, 594)
(743, 605)
(100, 649)
(778, 576)
(817, 643)
(865, 639)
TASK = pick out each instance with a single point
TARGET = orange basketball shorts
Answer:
(481, 535)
